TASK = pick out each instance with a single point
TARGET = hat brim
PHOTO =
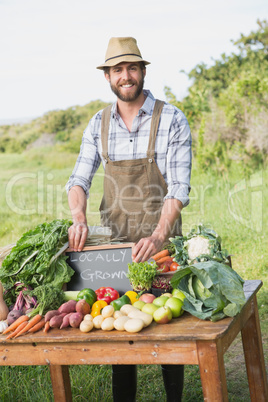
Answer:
(122, 59)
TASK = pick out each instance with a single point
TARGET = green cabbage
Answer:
(212, 290)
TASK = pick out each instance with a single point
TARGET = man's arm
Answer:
(148, 246)
(78, 231)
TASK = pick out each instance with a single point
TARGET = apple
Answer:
(167, 294)
(149, 308)
(160, 301)
(147, 297)
(139, 304)
(177, 293)
(162, 315)
(175, 305)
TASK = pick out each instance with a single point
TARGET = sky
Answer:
(49, 49)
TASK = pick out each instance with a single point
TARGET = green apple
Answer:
(160, 301)
(167, 294)
(162, 315)
(149, 308)
(139, 304)
(175, 305)
(177, 293)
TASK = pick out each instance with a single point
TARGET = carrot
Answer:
(164, 259)
(161, 254)
(30, 324)
(17, 330)
(16, 323)
(46, 327)
(38, 326)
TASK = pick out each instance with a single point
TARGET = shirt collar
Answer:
(146, 108)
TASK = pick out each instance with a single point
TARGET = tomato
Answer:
(174, 266)
(165, 266)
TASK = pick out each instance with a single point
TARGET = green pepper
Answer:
(88, 295)
(118, 303)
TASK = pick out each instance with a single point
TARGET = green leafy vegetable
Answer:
(49, 298)
(32, 260)
(212, 290)
(142, 274)
(201, 244)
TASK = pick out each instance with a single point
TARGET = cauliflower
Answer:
(196, 246)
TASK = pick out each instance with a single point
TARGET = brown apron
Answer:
(133, 189)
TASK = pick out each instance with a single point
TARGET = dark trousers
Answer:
(125, 382)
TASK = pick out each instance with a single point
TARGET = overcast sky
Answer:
(49, 49)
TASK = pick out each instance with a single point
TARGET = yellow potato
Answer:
(133, 325)
(146, 318)
(120, 322)
(88, 317)
(86, 326)
(107, 311)
(108, 324)
(97, 321)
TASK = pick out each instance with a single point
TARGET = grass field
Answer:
(32, 191)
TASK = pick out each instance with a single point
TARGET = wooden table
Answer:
(186, 340)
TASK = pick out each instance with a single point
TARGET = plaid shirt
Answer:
(172, 148)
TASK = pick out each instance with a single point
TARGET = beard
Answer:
(128, 97)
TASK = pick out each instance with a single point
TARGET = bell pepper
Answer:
(107, 293)
(118, 303)
(132, 295)
(88, 294)
(97, 307)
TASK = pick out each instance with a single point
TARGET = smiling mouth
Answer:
(127, 85)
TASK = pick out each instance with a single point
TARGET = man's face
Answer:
(126, 80)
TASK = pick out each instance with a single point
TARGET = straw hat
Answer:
(122, 50)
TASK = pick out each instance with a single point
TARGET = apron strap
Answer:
(154, 127)
(105, 122)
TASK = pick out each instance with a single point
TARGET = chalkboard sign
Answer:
(105, 265)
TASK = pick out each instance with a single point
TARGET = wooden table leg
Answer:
(61, 383)
(212, 371)
(253, 350)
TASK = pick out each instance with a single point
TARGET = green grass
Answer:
(32, 188)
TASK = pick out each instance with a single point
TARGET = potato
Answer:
(97, 321)
(56, 321)
(120, 322)
(75, 319)
(134, 325)
(66, 321)
(68, 307)
(146, 318)
(126, 308)
(86, 326)
(107, 311)
(51, 314)
(108, 323)
(88, 317)
(118, 314)
(82, 307)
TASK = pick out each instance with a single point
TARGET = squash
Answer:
(3, 307)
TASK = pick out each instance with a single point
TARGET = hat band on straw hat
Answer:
(125, 54)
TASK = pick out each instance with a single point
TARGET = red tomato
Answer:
(174, 266)
(165, 266)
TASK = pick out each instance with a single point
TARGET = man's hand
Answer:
(77, 234)
(145, 248)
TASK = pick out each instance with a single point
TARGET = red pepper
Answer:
(107, 294)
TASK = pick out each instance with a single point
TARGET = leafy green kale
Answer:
(212, 290)
(49, 298)
(32, 260)
(201, 244)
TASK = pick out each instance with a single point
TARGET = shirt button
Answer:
(130, 140)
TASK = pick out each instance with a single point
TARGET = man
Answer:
(145, 148)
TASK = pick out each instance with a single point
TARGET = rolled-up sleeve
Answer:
(179, 160)
(87, 162)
